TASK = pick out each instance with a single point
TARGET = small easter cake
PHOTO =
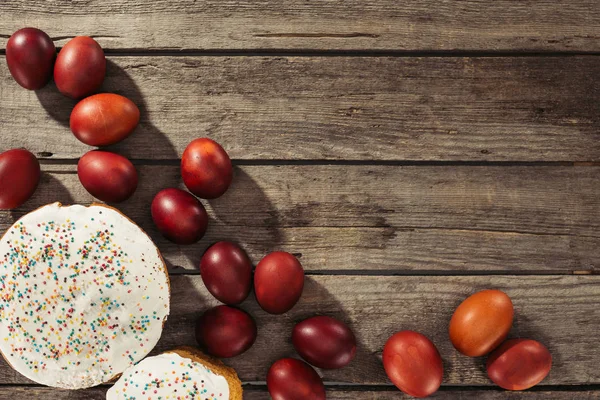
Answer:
(184, 373)
(84, 294)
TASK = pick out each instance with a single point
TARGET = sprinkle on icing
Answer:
(83, 295)
(169, 377)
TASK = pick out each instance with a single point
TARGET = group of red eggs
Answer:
(479, 325)
(105, 119)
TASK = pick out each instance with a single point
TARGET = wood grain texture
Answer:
(26, 393)
(415, 218)
(334, 108)
(561, 312)
(309, 25)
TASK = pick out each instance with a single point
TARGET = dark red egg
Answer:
(519, 364)
(413, 363)
(291, 379)
(104, 119)
(225, 331)
(206, 168)
(30, 55)
(107, 176)
(19, 177)
(227, 272)
(179, 216)
(80, 67)
(324, 342)
(278, 282)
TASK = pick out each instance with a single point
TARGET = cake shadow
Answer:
(49, 190)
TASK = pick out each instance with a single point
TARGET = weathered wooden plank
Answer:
(416, 218)
(26, 393)
(334, 108)
(561, 312)
(300, 25)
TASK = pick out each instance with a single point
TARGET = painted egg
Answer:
(227, 272)
(278, 282)
(206, 169)
(225, 331)
(179, 216)
(30, 55)
(519, 364)
(413, 363)
(107, 176)
(104, 119)
(291, 379)
(80, 67)
(19, 177)
(481, 322)
(324, 342)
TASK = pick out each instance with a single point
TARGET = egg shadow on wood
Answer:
(274, 337)
(146, 139)
(57, 105)
(232, 218)
(366, 367)
(49, 190)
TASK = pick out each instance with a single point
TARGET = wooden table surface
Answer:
(409, 153)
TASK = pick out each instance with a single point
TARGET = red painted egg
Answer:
(291, 379)
(278, 282)
(80, 67)
(413, 363)
(481, 322)
(179, 216)
(227, 272)
(519, 364)
(104, 119)
(324, 342)
(206, 169)
(225, 331)
(107, 176)
(19, 177)
(30, 55)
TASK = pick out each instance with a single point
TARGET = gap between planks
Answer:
(46, 158)
(336, 53)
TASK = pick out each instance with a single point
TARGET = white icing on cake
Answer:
(83, 295)
(169, 376)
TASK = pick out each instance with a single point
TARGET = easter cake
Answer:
(84, 294)
(184, 373)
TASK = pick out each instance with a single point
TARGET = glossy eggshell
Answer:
(104, 119)
(278, 282)
(291, 379)
(226, 272)
(19, 177)
(413, 363)
(225, 331)
(481, 322)
(179, 216)
(519, 364)
(30, 55)
(107, 176)
(324, 342)
(80, 67)
(206, 169)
